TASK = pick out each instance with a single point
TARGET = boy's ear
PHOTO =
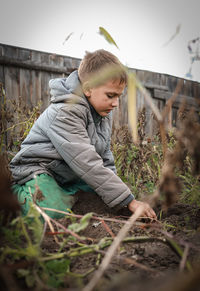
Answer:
(86, 89)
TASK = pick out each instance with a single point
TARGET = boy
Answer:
(68, 148)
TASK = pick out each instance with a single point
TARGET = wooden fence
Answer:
(25, 74)
(161, 87)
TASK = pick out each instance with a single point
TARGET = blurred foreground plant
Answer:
(22, 250)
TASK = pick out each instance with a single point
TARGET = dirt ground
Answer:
(158, 263)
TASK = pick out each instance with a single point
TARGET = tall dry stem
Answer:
(112, 249)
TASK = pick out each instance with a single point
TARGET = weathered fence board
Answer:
(179, 98)
(26, 73)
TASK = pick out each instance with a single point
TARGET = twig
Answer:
(171, 100)
(156, 112)
(174, 245)
(55, 233)
(47, 219)
(17, 124)
(184, 258)
(149, 101)
(43, 233)
(159, 227)
(163, 138)
(107, 228)
(44, 215)
(67, 230)
(92, 217)
(76, 275)
(86, 249)
(131, 262)
(111, 251)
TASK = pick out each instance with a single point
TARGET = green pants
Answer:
(49, 194)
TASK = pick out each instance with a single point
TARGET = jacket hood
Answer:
(62, 88)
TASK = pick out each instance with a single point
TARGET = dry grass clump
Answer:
(138, 165)
(182, 163)
(145, 170)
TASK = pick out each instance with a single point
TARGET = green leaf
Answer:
(30, 280)
(107, 36)
(55, 282)
(23, 272)
(77, 227)
(58, 266)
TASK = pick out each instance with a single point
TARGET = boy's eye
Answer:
(110, 96)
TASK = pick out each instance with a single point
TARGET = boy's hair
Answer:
(101, 66)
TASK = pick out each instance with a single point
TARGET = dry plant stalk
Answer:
(149, 101)
(9, 206)
(188, 143)
(169, 184)
(156, 111)
(107, 228)
(50, 220)
(188, 137)
(168, 107)
(132, 108)
(112, 249)
(92, 217)
(131, 262)
(184, 258)
(166, 111)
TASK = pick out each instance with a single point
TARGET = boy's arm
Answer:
(108, 159)
(107, 156)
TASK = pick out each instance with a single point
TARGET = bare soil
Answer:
(159, 262)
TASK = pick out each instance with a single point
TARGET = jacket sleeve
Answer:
(108, 159)
(107, 156)
(69, 136)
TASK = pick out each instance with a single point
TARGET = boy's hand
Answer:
(148, 211)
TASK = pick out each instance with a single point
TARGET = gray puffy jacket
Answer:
(70, 141)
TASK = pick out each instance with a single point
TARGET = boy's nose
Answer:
(115, 102)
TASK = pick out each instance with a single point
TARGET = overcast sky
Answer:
(141, 29)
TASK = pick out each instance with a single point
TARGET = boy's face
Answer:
(105, 97)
